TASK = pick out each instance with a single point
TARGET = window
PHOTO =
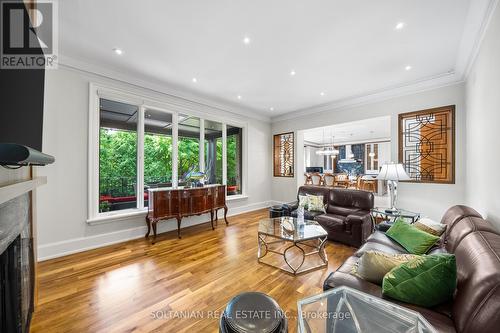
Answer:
(372, 157)
(117, 156)
(234, 148)
(283, 155)
(427, 145)
(157, 150)
(213, 152)
(189, 147)
(136, 144)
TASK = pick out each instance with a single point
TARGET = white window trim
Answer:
(97, 91)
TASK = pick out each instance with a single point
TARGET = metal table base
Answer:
(318, 248)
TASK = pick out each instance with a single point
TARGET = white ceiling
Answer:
(342, 48)
(373, 129)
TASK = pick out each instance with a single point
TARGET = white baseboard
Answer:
(275, 203)
(70, 246)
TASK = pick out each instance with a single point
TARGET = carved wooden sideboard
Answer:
(167, 203)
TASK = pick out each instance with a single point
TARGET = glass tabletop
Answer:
(399, 212)
(346, 310)
(289, 228)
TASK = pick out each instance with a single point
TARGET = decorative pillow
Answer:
(425, 281)
(315, 203)
(303, 201)
(430, 226)
(412, 239)
(373, 265)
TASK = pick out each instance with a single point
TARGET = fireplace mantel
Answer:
(9, 192)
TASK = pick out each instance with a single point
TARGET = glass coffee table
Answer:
(346, 310)
(287, 235)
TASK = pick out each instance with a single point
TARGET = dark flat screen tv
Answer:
(314, 169)
(21, 105)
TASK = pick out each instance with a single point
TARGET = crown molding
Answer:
(475, 28)
(431, 83)
(160, 87)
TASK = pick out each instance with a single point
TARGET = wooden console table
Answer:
(167, 203)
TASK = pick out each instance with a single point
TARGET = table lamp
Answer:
(393, 172)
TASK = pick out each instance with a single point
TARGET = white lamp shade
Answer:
(393, 171)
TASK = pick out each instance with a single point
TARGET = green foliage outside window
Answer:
(118, 157)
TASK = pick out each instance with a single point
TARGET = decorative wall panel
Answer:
(427, 144)
(283, 155)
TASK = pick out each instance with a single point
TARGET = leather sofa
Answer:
(476, 244)
(347, 216)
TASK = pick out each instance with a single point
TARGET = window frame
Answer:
(166, 104)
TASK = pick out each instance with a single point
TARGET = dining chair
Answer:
(341, 180)
(329, 179)
(369, 183)
(308, 179)
(317, 179)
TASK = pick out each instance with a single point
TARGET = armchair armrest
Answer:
(290, 207)
(361, 224)
(359, 218)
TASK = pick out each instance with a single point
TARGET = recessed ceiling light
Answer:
(322, 93)
(271, 108)
(407, 68)
(246, 40)
(194, 80)
(292, 72)
(400, 26)
(118, 51)
(238, 97)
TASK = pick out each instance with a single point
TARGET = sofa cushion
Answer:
(412, 239)
(315, 190)
(381, 238)
(315, 203)
(477, 299)
(375, 246)
(338, 210)
(351, 198)
(373, 266)
(455, 214)
(332, 223)
(462, 228)
(342, 277)
(426, 280)
(438, 319)
(430, 226)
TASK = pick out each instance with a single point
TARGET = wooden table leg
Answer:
(212, 219)
(148, 223)
(154, 223)
(179, 226)
(225, 214)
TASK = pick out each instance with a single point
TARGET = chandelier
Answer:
(328, 150)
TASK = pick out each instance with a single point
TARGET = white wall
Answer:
(430, 199)
(62, 203)
(483, 121)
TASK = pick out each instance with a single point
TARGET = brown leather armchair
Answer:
(347, 219)
(347, 216)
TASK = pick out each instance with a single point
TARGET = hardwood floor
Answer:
(139, 287)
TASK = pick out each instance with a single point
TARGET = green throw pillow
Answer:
(412, 239)
(426, 281)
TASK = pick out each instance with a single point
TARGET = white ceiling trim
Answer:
(161, 87)
(435, 82)
(468, 52)
(471, 43)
